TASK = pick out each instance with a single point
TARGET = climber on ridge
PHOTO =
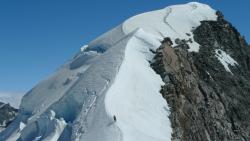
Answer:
(114, 117)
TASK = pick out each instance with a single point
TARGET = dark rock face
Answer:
(7, 115)
(207, 102)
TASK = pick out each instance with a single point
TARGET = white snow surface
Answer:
(83, 47)
(173, 21)
(21, 126)
(225, 59)
(109, 77)
(134, 97)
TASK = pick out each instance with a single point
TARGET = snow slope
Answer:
(134, 98)
(174, 21)
(111, 76)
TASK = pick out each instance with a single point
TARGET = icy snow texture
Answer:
(111, 76)
(225, 59)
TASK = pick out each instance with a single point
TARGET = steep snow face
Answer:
(110, 76)
(176, 21)
(134, 98)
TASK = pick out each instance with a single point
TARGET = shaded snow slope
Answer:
(109, 76)
(134, 98)
(79, 102)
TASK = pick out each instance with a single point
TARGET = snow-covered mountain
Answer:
(13, 98)
(112, 90)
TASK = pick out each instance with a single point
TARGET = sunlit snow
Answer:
(173, 21)
(135, 97)
(225, 59)
(111, 76)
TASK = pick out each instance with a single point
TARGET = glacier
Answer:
(111, 76)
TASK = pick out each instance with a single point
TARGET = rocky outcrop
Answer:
(207, 101)
(7, 115)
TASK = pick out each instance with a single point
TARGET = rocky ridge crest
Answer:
(207, 101)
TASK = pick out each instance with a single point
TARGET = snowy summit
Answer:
(108, 91)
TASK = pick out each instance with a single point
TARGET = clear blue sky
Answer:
(38, 36)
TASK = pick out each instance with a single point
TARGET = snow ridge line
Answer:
(168, 12)
(138, 46)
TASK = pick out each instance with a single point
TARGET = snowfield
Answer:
(111, 76)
